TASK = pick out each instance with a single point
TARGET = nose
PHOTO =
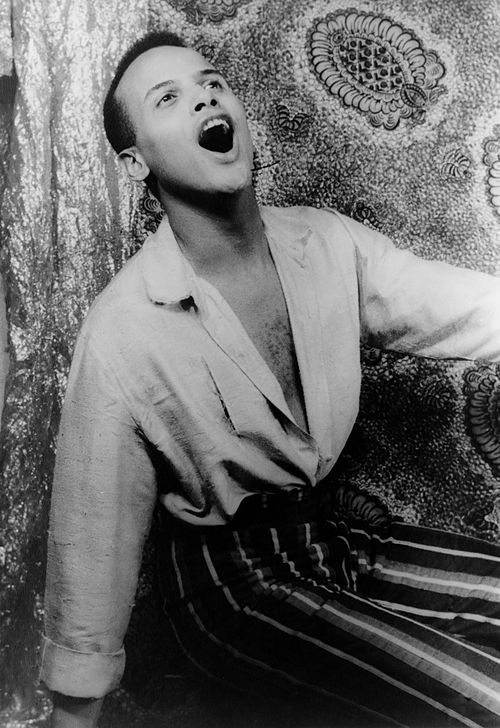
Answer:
(201, 104)
(205, 99)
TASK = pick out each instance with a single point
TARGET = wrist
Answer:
(71, 712)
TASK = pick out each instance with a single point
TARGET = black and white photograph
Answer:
(250, 364)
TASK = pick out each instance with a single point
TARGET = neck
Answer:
(220, 234)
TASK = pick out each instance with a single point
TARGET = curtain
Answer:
(387, 113)
(66, 228)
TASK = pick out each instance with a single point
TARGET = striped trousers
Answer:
(323, 597)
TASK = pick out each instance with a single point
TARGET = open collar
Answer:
(170, 278)
(288, 231)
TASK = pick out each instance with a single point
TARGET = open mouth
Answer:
(216, 135)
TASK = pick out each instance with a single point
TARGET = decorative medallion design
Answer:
(371, 356)
(455, 164)
(492, 160)
(207, 50)
(356, 505)
(363, 213)
(153, 211)
(289, 124)
(482, 389)
(214, 10)
(376, 67)
(436, 396)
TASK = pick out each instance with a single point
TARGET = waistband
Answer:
(325, 501)
(291, 507)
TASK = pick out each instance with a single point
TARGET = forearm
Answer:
(70, 712)
(103, 496)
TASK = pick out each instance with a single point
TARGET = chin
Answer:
(233, 189)
(219, 181)
(235, 182)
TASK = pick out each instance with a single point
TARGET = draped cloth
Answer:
(6, 46)
(421, 167)
(66, 217)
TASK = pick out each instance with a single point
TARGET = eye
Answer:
(167, 98)
(214, 83)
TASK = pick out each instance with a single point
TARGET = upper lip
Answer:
(214, 117)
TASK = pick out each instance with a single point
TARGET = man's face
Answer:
(191, 130)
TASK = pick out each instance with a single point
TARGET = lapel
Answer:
(225, 328)
(170, 279)
(289, 237)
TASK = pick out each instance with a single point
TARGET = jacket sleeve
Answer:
(423, 307)
(103, 495)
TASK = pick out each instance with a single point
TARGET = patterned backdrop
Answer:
(384, 110)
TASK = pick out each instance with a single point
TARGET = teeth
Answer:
(214, 122)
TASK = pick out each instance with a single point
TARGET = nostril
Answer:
(213, 102)
(199, 106)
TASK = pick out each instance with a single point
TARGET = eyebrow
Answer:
(199, 74)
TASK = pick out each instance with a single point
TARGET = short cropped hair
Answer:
(118, 125)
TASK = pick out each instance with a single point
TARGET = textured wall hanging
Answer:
(375, 66)
(214, 10)
(482, 389)
(336, 97)
(455, 164)
(289, 124)
(492, 161)
(362, 212)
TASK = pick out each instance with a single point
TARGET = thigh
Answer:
(441, 578)
(270, 625)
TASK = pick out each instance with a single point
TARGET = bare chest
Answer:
(263, 313)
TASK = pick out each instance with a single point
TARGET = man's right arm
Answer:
(103, 496)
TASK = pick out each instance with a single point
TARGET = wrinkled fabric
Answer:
(6, 49)
(427, 437)
(62, 225)
(168, 396)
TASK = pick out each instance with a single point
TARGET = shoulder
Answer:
(322, 232)
(122, 313)
(123, 293)
(325, 221)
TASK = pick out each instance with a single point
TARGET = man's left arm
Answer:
(422, 307)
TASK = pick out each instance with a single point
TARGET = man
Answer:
(219, 372)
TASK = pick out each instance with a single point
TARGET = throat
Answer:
(217, 233)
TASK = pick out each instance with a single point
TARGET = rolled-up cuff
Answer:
(80, 674)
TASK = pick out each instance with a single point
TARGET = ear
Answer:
(134, 164)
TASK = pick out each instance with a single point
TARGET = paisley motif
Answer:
(482, 389)
(436, 395)
(371, 356)
(151, 205)
(289, 124)
(154, 212)
(214, 10)
(364, 213)
(455, 164)
(492, 160)
(412, 95)
(207, 50)
(376, 67)
(356, 505)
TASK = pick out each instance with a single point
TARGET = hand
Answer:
(70, 712)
